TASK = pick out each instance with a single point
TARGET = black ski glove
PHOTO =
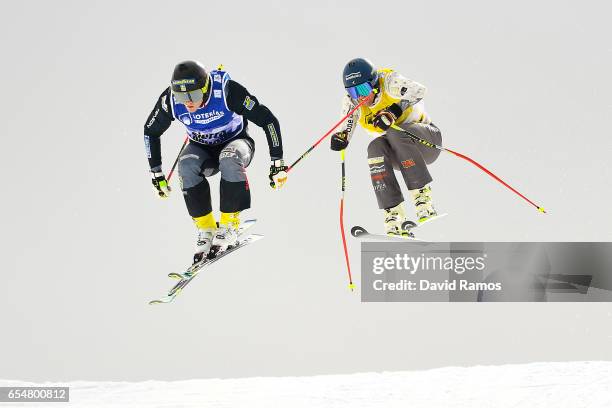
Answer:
(339, 141)
(384, 119)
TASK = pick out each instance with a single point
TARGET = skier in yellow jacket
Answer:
(393, 100)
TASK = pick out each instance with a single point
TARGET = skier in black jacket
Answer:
(215, 111)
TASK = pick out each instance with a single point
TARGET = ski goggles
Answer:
(195, 96)
(360, 90)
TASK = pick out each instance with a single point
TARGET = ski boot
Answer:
(227, 233)
(203, 245)
(206, 226)
(423, 204)
(396, 223)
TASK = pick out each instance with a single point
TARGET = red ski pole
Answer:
(346, 255)
(474, 162)
(328, 132)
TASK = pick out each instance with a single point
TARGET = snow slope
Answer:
(558, 385)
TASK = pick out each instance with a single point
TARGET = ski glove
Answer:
(339, 141)
(384, 119)
(160, 184)
(278, 173)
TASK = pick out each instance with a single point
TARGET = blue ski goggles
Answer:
(360, 90)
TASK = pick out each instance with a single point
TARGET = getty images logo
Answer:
(413, 264)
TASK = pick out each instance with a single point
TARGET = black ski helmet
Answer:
(358, 71)
(189, 76)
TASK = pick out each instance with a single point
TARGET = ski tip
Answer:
(542, 210)
(356, 231)
(162, 300)
(408, 225)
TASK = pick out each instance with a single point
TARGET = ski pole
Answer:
(474, 162)
(346, 256)
(328, 132)
(177, 158)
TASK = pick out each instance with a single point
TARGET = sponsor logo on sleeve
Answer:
(273, 135)
(147, 142)
(164, 104)
(152, 119)
(248, 103)
(349, 124)
(376, 160)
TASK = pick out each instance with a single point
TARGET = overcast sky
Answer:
(521, 86)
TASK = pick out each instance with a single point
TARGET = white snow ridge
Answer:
(555, 385)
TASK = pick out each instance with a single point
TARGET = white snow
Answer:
(558, 385)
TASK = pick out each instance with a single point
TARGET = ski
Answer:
(195, 269)
(360, 232)
(412, 224)
(244, 226)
